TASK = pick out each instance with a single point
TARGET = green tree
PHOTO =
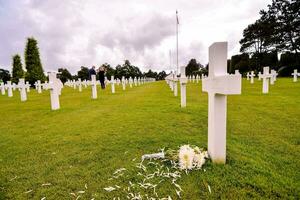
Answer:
(64, 75)
(33, 62)
(192, 67)
(287, 21)
(4, 75)
(83, 73)
(17, 69)
(240, 62)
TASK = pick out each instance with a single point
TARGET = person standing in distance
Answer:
(101, 72)
(92, 71)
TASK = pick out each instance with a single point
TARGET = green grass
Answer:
(87, 140)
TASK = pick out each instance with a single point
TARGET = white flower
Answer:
(186, 156)
(199, 160)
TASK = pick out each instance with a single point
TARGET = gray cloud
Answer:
(78, 32)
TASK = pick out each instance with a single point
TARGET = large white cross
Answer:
(55, 89)
(2, 86)
(252, 75)
(94, 87)
(183, 82)
(218, 85)
(266, 76)
(9, 87)
(22, 87)
(295, 74)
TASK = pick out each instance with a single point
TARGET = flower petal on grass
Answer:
(28, 191)
(109, 189)
(46, 184)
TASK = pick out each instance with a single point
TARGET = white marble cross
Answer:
(183, 82)
(175, 80)
(218, 85)
(123, 83)
(94, 87)
(14, 87)
(38, 86)
(79, 83)
(9, 87)
(55, 89)
(248, 76)
(295, 74)
(2, 86)
(252, 75)
(112, 81)
(273, 77)
(27, 86)
(130, 82)
(259, 76)
(265, 77)
(22, 88)
(135, 81)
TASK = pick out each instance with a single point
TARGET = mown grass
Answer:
(85, 141)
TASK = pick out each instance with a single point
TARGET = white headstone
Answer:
(183, 82)
(248, 76)
(175, 88)
(38, 86)
(112, 81)
(54, 87)
(79, 83)
(273, 76)
(266, 76)
(295, 74)
(22, 88)
(2, 86)
(252, 75)
(218, 85)
(27, 86)
(94, 87)
(9, 87)
(123, 83)
(259, 76)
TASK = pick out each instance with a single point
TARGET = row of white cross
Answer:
(273, 75)
(55, 86)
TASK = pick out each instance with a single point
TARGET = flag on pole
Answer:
(177, 17)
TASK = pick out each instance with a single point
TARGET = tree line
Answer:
(127, 70)
(275, 34)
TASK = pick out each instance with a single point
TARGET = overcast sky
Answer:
(72, 33)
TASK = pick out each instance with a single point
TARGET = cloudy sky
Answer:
(72, 33)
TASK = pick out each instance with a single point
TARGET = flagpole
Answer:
(177, 22)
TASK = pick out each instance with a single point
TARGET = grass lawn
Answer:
(83, 143)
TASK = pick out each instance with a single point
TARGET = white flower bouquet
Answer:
(186, 158)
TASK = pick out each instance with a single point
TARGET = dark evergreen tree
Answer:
(83, 73)
(4, 75)
(64, 75)
(17, 69)
(33, 62)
